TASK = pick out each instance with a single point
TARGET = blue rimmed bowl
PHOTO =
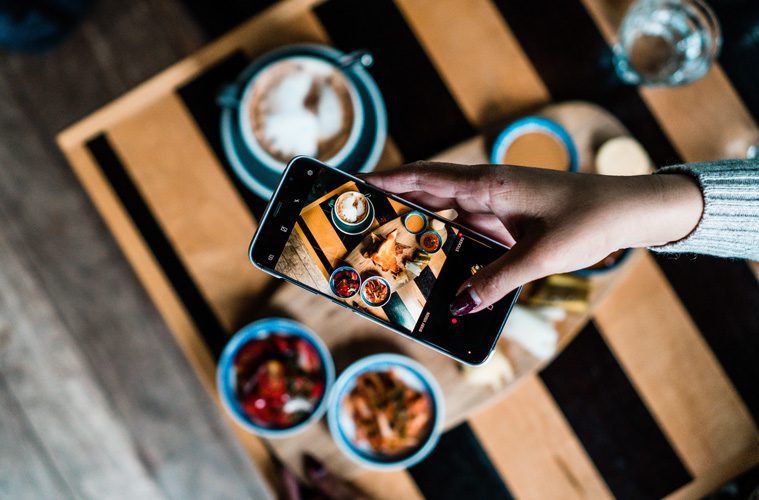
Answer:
(371, 279)
(534, 124)
(343, 428)
(226, 373)
(434, 233)
(338, 271)
(251, 169)
(415, 213)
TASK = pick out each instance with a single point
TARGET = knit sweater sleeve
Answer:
(729, 226)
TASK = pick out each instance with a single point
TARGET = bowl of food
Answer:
(344, 282)
(375, 291)
(430, 241)
(274, 376)
(415, 222)
(386, 412)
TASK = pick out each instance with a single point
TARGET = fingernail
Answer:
(465, 302)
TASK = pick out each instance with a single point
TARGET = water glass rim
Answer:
(704, 22)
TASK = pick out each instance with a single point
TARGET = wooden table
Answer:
(648, 399)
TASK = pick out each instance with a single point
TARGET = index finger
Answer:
(444, 180)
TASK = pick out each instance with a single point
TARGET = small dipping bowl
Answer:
(337, 274)
(368, 282)
(415, 222)
(430, 235)
(343, 429)
(226, 373)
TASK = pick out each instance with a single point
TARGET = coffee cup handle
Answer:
(228, 96)
(361, 57)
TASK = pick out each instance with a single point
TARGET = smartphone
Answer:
(385, 258)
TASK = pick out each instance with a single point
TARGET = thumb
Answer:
(513, 269)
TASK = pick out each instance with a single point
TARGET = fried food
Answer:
(387, 253)
(390, 416)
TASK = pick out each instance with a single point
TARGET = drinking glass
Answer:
(752, 151)
(742, 143)
(666, 42)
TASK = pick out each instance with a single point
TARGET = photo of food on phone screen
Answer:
(380, 256)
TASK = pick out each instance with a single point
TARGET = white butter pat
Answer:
(532, 331)
(623, 156)
(496, 373)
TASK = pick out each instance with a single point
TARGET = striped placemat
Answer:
(655, 396)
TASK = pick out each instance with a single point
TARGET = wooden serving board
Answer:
(403, 284)
(358, 259)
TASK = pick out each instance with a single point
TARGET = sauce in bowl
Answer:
(430, 241)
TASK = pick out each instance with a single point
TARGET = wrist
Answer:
(667, 208)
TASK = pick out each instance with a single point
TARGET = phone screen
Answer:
(399, 264)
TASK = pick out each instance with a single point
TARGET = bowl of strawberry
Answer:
(274, 377)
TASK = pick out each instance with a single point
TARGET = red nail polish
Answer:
(465, 302)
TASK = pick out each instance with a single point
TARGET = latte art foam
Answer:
(301, 107)
(351, 207)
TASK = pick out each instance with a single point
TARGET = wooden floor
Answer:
(89, 408)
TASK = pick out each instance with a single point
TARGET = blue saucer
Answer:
(261, 179)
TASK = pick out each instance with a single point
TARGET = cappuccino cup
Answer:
(351, 209)
(301, 104)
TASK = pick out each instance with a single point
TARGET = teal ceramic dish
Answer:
(342, 65)
(417, 214)
(592, 271)
(354, 229)
(260, 177)
(430, 233)
(226, 374)
(368, 282)
(344, 272)
(342, 426)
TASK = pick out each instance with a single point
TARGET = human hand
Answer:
(553, 221)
